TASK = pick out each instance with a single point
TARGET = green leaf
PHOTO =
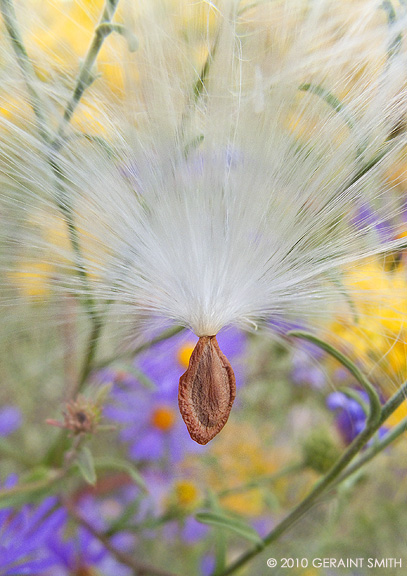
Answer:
(236, 525)
(102, 393)
(141, 377)
(29, 492)
(122, 522)
(123, 466)
(330, 99)
(86, 465)
(219, 535)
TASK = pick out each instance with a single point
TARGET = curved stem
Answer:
(333, 477)
(392, 435)
(24, 62)
(27, 70)
(85, 77)
(374, 400)
(308, 502)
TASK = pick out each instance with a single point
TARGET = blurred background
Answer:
(98, 473)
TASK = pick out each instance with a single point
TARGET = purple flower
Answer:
(10, 420)
(83, 550)
(207, 564)
(78, 552)
(306, 369)
(151, 423)
(367, 219)
(24, 536)
(193, 531)
(350, 416)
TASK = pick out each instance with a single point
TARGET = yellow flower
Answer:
(397, 416)
(54, 256)
(89, 119)
(242, 454)
(184, 353)
(379, 338)
(33, 279)
(186, 494)
(61, 35)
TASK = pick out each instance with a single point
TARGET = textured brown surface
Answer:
(206, 390)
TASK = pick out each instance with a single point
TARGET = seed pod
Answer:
(206, 390)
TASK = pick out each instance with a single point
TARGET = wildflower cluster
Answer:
(198, 199)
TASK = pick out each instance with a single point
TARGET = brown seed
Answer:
(206, 390)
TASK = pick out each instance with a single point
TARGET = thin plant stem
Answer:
(62, 200)
(374, 400)
(378, 447)
(394, 402)
(23, 493)
(306, 504)
(165, 335)
(374, 450)
(85, 77)
(27, 70)
(90, 353)
(286, 471)
(332, 478)
(24, 62)
(140, 568)
(55, 450)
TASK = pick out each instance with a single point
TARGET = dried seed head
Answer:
(206, 391)
(80, 416)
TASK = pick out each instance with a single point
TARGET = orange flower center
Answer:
(163, 418)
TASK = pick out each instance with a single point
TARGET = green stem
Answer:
(374, 400)
(332, 478)
(84, 80)
(375, 449)
(24, 62)
(394, 402)
(286, 471)
(27, 70)
(53, 456)
(305, 505)
(90, 352)
(85, 77)
(163, 336)
(64, 206)
(197, 91)
(107, 28)
(23, 493)
(132, 561)
(392, 435)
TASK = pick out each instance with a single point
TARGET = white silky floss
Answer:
(226, 188)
